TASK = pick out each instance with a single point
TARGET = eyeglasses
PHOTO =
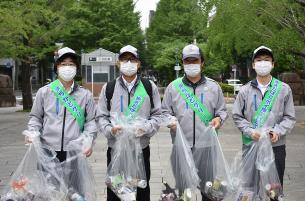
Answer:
(132, 60)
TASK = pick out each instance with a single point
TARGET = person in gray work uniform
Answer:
(116, 97)
(281, 114)
(206, 90)
(51, 118)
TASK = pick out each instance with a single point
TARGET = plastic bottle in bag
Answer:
(187, 194)
(273, 191)
(216, 189)
(245, 196)
(74, 196)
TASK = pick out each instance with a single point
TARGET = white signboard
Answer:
(177, 67)
(100, 59)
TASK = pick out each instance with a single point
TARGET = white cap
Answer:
(65, 50)
(262, 50)
(191, 51)
(130, 49)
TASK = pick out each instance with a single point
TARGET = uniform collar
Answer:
(72, 88)
(187, 82)
(136, 81)
(254, 83)
(132, 83)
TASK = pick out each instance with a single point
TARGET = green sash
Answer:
(192, 100)
(69, 102)
(137, 101)
(262, 113)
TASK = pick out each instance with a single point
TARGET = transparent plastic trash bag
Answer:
(183, 165)
(254, 172)
(77, 172)
(126, 172)
(37, 177)
(212, 167)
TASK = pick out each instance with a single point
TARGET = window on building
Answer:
(112, 72)
(100, 77)
(88, 75)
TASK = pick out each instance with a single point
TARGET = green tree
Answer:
(27, 33)
(29, 30)
(241, 26)
(110, 24)
(175, 24)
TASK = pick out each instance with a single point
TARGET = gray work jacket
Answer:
(119, 104)
(55, 123)
(281, 119)
(208, 92)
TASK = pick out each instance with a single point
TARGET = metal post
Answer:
(14, 74)
(92, 80)
(234, 77)
(177, 66)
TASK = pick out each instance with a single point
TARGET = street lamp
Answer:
(177, 66)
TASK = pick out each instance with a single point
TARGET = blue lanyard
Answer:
(254, 102)
(57, 106)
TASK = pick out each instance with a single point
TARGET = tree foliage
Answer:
(231, 35)
(110, 24)
(29, 30)
(27, 33)
(175, 24)
(241, 26)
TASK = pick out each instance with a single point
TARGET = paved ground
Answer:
(12, 150)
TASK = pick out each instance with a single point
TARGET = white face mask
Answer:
(128, 68)
(192, 70)
(67, 73)
(263, 68)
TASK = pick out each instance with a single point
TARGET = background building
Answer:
(98, 67)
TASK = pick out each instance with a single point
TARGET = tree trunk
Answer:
(26, 85)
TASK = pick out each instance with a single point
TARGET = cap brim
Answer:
(67, 55)
(262, 52)
(191, 55)
(128, 52)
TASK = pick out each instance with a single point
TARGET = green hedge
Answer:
(226, 88)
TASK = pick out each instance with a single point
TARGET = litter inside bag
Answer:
(36, 178)
(254, 172)
(77, 172)
(126, 172)
(41, 177)
(212, 167)
(183, 165)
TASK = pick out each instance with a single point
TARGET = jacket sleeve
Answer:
(37, 112)
(90, 112)
(287, 123)
(103, 115)
(152, 124)
(238, 115)
(221, 110)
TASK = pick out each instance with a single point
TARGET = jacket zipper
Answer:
(64, 123)
(129, 92)
(128, 98)
(63, 130)
(194, 124)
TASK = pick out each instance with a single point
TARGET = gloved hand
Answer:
(142, 130)
(173, 124)
(87, 144)
(30, 136)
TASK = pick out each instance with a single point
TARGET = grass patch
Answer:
(28, 110)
